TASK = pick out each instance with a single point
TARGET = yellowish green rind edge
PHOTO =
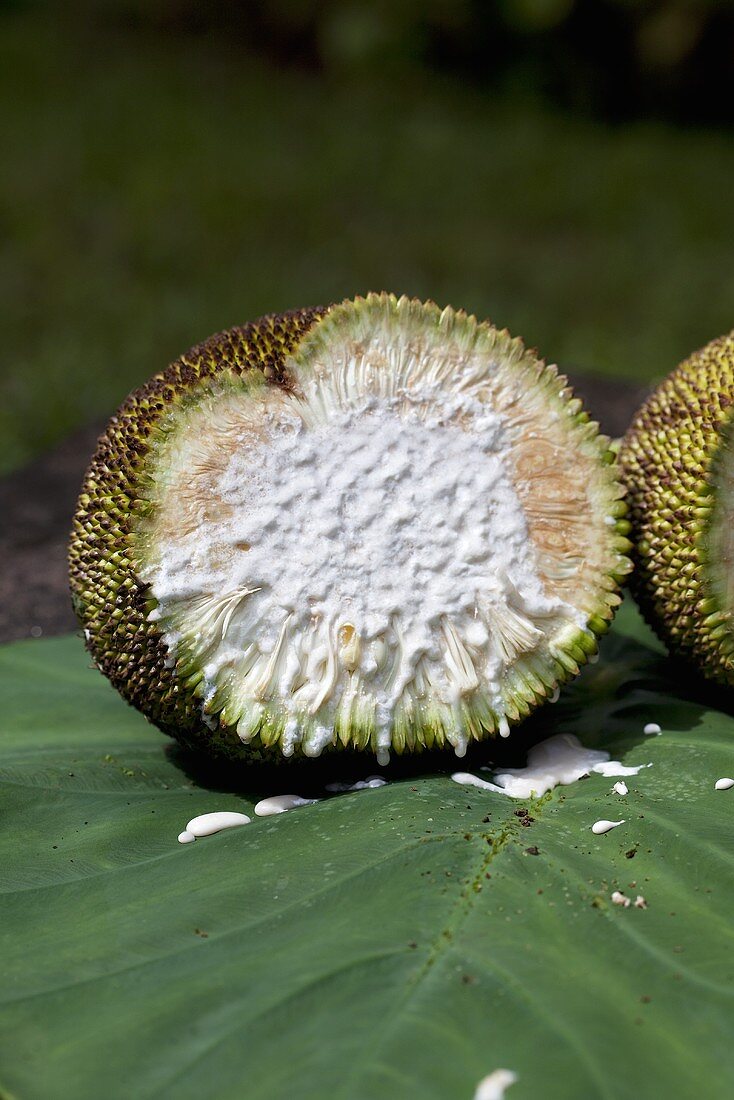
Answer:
(674, 458)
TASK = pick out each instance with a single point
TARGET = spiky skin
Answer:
(113, 604)
(110, 602)
(674, 461)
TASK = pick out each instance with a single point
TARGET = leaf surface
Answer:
(392, 943)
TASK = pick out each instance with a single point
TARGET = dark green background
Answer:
(171, 169)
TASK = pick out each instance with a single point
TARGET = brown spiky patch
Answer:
(676, 461)
(108, 598)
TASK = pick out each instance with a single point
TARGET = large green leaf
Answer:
(399, 942)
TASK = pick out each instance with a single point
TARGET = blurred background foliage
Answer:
(171, 168)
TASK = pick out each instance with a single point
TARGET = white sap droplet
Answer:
(281, 803)
(207, 824)
(620, 899)
(186, 837)
(468, 780)
(603, 826)
(460, 747)
(493, 1087)
(613, 767)
(383, 757)
(368, 784)
(640, 902)
(652, 728)
(558, 761)
(620, 788)
(724, 784)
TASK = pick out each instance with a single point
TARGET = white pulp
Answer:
(377, 551)
(621, 788)
(558, 761)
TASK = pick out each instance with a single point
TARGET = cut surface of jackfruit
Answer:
(407, 534)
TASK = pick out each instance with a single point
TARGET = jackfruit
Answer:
(678, 465)
(377, 526)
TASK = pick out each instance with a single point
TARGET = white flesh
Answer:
(381, 544)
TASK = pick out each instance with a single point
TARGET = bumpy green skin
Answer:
(108, 599)
(669, 459)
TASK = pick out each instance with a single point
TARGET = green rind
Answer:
(112, 604)
(669, 458)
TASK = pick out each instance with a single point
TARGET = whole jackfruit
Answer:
(378, 526)
(678, 466)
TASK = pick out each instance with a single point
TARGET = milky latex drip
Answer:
(493, 1087)
(558, 761)
(374, 554)
(208, 824)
